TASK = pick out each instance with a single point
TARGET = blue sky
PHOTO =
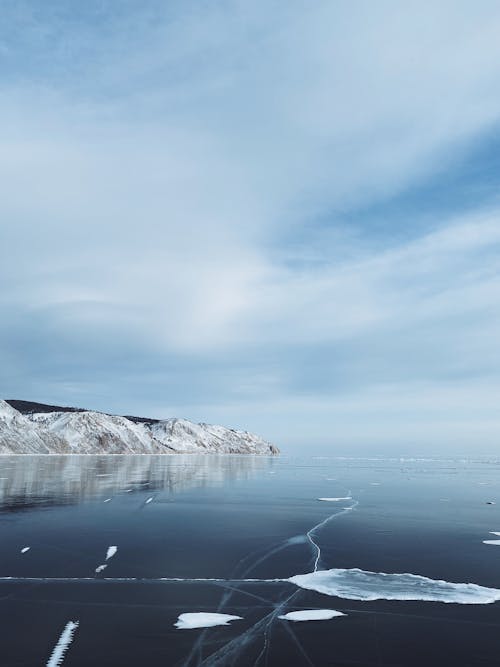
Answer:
(280, 216)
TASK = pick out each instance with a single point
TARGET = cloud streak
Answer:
(191, 203)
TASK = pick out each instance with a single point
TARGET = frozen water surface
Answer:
(238, 550)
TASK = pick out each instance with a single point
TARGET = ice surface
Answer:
(25, 549)
(149, 500)
(311, 615)
(494, 532)
(202, 619)
(356, 584)
(495, 542)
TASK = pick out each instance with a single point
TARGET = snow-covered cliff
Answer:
(86, 432)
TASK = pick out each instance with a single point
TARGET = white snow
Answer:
(25, 549)
(335, 500)
(111, 552)
(202, 619)
(149, 500)
(89, 432)
(495, 542)
(311, 615)
(356, 584)
(100, 568)
(62, 645)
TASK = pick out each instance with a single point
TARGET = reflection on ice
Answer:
(201, 619)
(55, 480)
(355, 584)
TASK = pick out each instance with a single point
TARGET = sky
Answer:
(278, 216)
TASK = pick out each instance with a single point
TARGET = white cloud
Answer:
(155, 167)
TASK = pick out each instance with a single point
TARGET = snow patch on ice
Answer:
(356, 584)
(111, 552)
(62, 645)
(202, 619)
(335, 500)
(311, 615)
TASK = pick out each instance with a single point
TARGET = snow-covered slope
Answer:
(18, 435)
(184, 436)
(88, 432)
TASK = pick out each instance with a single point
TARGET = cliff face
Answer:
(87, 432)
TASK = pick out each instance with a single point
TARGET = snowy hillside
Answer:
(86, 432)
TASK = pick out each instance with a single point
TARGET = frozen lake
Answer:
(188, 561)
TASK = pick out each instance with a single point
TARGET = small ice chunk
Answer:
(149, 500)
(202, 619)
(311, 615)
(108, 500)
(493, 532)
(100, 568)
(495, 542)
(25, 549)
(335, 500)
(111, 552)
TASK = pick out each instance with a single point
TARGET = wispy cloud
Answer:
(191, 201)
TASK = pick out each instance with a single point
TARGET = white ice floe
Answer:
(100, 568)
(494, 532)
(355, 584)
(202, 619)
(495, 542)
(335, 500)
(311, 615)
(149, 500)
(108, 500)
(25, 549)
(111, 552)
(62, 645)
